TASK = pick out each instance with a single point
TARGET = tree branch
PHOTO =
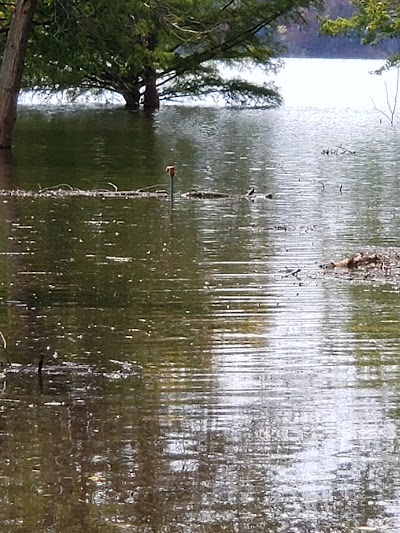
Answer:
(215, 51)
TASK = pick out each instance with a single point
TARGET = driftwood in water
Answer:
(381, 265)
(205, 194)
(338, 150)
(359, 260)
(218, 195)
(63, 191)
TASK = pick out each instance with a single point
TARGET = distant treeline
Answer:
(306, 41)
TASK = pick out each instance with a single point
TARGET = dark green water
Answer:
(200, 374)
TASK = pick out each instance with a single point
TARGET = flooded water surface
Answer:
(201, 373)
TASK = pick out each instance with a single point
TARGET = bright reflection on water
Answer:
(200, 373)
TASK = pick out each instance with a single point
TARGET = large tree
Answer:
(12, 64)
(372, 22)
(150, 50)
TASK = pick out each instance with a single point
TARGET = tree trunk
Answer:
(132, 98)
(151, 100)
(12, 67)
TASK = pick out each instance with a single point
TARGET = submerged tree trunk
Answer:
(151, 100)
(132, 98)
(12, 67)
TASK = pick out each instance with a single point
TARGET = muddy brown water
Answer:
(200, 374)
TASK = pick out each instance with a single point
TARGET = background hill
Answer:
(306, 41)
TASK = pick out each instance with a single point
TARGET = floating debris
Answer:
(380, 266)
(63, 191)
(339, 150)
(359, 260)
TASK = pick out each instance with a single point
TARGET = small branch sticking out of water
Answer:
(292, 272)
(150, 187)
(339, 150)
(392, 106)
(40, 364)
(57, 187)
(3, 340)
(358, 260)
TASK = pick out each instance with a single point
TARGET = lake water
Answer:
(200, 372)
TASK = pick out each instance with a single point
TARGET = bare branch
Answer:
(227, 5)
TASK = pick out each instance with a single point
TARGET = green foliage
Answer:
(6, 11)
(372, 21)
(235, 90)
(125, 45)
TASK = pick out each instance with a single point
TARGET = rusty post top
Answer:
(170, 170)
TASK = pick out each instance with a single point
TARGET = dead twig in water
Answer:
(40, 364)
(3, 340)
(142, 189)
(335, 151)
(110, 183)
(292, 272)
(392, 107)
(345, 150)
(358, 260)
(58, 187)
